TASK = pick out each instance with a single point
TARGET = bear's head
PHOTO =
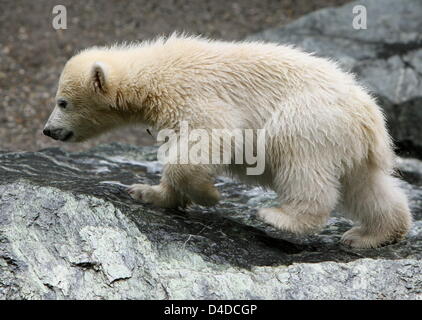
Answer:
(85, 99)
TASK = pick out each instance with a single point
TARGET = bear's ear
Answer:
(99, 77)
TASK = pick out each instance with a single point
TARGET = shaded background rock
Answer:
(69, 230)
(386, 57)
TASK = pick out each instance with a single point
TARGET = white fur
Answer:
(326, 138)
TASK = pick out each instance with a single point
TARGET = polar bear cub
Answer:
(326, 142)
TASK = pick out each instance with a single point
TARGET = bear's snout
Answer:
(58, 133)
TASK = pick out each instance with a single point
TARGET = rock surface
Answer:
(386, 57)
(69, 230)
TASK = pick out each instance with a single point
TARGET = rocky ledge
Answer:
(69, 230)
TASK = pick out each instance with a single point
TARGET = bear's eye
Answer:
(62, 103)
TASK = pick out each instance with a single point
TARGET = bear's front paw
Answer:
(143, 192)
(159, 195)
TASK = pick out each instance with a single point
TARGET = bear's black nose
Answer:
(47, 132)
(53, 133)
(58, 133)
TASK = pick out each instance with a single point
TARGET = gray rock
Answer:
(68, 230)
(386, 57)
(410, 169)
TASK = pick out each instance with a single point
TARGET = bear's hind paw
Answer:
(357, 238)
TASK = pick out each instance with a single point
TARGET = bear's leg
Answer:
(180, 185)
(375, 200)
(305, 205)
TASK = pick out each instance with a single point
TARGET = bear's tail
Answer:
(381, 149)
